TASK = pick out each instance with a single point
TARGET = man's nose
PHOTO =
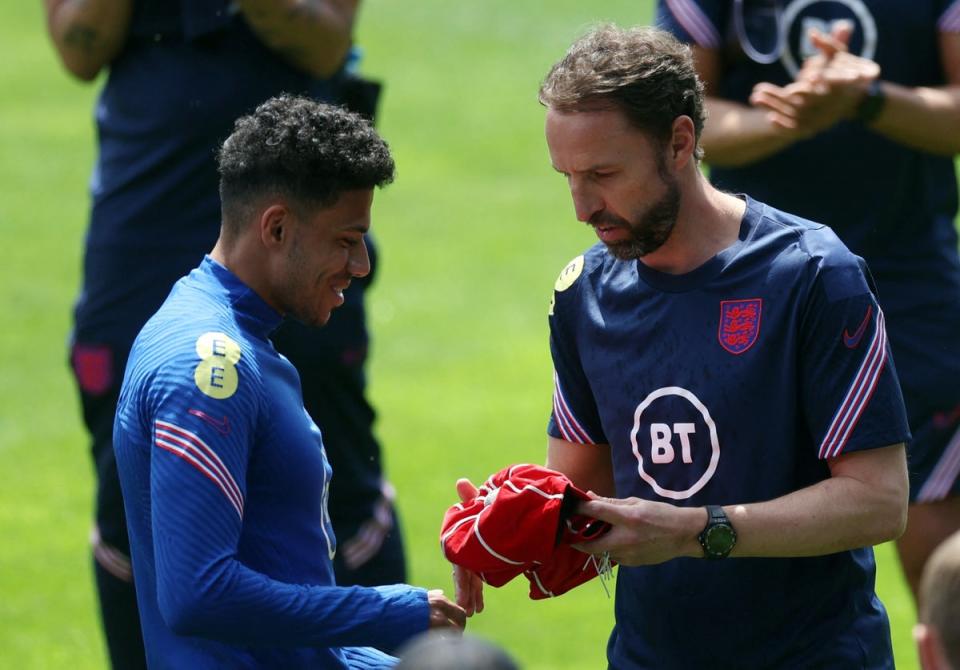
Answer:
(586, 202)
(358, 265)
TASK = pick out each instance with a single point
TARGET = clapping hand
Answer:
(828, 88)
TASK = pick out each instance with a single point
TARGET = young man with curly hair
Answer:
(224, 475)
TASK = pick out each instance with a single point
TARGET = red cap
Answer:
(523, 521)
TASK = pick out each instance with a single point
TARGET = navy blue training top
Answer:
(732, 384)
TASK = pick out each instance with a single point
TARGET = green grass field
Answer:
(472, 233)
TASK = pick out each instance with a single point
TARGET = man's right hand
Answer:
(444, 613)
(467, 584)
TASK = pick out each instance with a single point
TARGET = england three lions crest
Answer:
(739, 324)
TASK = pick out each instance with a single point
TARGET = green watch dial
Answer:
(719, 540)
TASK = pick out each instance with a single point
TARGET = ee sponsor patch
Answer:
(216, 374)
(569, 274)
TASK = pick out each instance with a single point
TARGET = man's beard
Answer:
(650, 231)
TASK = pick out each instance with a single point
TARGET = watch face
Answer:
(719, 540)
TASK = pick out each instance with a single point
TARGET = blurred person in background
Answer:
(439, 650)
(178, 75)
(847, 112)
(938, 630)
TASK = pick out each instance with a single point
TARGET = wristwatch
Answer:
(872, 104)
(718, 536)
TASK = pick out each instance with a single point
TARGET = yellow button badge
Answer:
(568, 275)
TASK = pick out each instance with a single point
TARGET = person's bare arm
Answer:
(313, 35)
(864, 502)
(87, 34)
(924, 118)
(735, 134)
(587, 465)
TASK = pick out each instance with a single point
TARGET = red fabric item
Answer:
(523, 522)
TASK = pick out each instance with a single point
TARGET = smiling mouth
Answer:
(339, 289)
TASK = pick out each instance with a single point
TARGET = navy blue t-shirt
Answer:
(733, 383)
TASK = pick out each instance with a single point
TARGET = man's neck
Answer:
(235, 258)
(708, 222)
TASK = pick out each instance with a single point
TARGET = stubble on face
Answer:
(648, 230)
(299, 286)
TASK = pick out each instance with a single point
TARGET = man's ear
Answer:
(683, 141)
(929, 647)
(275, 225)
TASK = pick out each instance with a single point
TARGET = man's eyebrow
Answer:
(356, 227)
(593, 168)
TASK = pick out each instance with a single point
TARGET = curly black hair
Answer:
(645, 72)
(301, 149)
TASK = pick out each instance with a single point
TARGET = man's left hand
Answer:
(644, 532)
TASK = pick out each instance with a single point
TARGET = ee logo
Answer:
(569, 274)
(216, 374)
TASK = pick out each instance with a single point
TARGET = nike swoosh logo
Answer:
(222, 426)
(851, 341)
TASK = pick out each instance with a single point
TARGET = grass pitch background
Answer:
(472, 234)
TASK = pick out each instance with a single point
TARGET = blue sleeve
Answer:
(699, 22)
(850, 391)
(204, 424)
(575, 417)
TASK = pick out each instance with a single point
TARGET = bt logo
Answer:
(661, 445)
(676, 459)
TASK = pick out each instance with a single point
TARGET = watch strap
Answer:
(872, 104)
(716, 517)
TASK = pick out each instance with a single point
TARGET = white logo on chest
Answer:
(665, 444)
(863, 20)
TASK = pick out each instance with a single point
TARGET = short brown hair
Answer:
(940, 596)
(644, 72)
